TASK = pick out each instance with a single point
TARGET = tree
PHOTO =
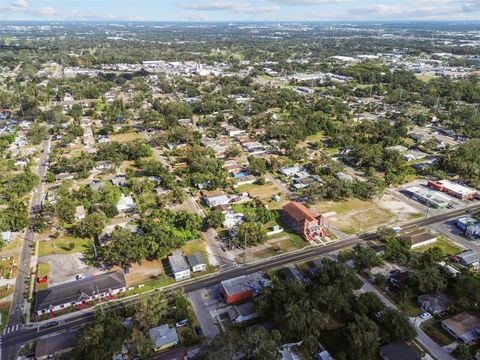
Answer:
(150, 311)
(102, 339)
(361, 337)
(430, 279)
(233, 151)
(257, 166)
(181, 305)
(15, 217)
(220, 348)
(214, 218)
(369, 304)
(398, 250)
(462, 352)
(251, 233)
(123, 249)
(365, 258)
(140, 344)
(65, 209)
(395, 325)
(91, 226)
(259, 344)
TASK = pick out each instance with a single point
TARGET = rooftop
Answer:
(163, 335)
(195, 259)
(462, 323)
(398, 350)
(177, 262)
(299, 211)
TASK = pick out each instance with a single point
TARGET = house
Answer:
(79, 292)
(398, 350)
(163, 337)
(464, 222)
(125, 203)
(232, 220)
(291, 171)
(292, 273)
(242, 313)
(304, 221)
(398, 278)
(103, 165)
(244, 180)
(49, 347)
(96, 185)
(79, 212)
(196, 261)
(469, 258)
(214, 198)
(119, 181)
(464, 327)
(65, 176)
(434, 304)
(236, 289)
(419, 238)
(179, 266)
(287, 352)
(473, 231)
(21, 162)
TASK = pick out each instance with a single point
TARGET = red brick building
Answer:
(304, 221)
(236, 289)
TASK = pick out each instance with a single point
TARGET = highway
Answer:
(12, 341)
(15, 317)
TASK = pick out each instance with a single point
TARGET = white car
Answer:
(425, 316)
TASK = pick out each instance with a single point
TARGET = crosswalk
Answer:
(11, 329)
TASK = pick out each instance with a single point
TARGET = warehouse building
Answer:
(428, 197)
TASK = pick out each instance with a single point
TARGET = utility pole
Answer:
(245, 251)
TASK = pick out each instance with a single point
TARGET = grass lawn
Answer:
(15, 243)
(6, 290)
(43, 269)
(425, 78)
(448, 247)
(125, 137)
(265, 193)
(198, 246)
(433, 329)
(4, 310)
(63, 245)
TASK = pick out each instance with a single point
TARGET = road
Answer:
(433, 348)
(279, 184)
(15, 317)
(12, 341)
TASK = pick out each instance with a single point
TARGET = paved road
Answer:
(12, 341)
(450, 230)
(279, 184)
(15, 317)
(433, 348)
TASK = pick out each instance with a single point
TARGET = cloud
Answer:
(307, 2)
(22, 7)
(213, 6)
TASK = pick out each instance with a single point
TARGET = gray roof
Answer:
(235, 285)
(119, 181)
(163, 335)
(436, 303)
(195, 259)
(399, 350)
(177, 262)
(468, 257)
(78, 290)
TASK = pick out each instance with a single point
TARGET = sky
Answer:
(240, 10)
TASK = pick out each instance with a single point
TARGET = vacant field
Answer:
(144, 272)
(265, 193)
(354, 215)
(425, 78)
(64, 245)
(125, 137)
(6, 290)
(448, 247)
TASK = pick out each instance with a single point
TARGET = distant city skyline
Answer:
(237, 10)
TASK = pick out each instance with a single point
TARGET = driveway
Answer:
(205, 309)
(450, 230)
(65, 267)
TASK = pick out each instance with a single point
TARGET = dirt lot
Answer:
(147, 271)
(353, 215)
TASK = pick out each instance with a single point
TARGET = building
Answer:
(473, 231)
(65, 176)
(236, 289)
(79, 212)
(242, 313)
(398, 350)
(163, 337)
(464, 327)
(119, 181)
(125, 203)
(434, 304)
(464, 222)
(214, 198)
(468, 258)
(50, 347)
(304, 221)
(79, 292)
(419, 238)
(7, 237)
(196, 261)
(453, 189)
(179, 266)
(427, 196)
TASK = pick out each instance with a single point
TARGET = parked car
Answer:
(182, 323)
(425, 316)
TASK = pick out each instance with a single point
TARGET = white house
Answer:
(179, 266)
(197, 262)
(125, 203)
(214, 198)
(79, 212)
(7, 236)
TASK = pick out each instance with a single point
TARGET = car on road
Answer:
(425, 316)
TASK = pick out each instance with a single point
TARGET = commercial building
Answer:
(304, 221)
(79, 292)
(459, 191)
(236, 289)
(428, 197)
(179, 266)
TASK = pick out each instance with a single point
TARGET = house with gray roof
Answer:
(163, 337)
(179, 266)
(197, 262)
(434, 304)
(469, 258)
